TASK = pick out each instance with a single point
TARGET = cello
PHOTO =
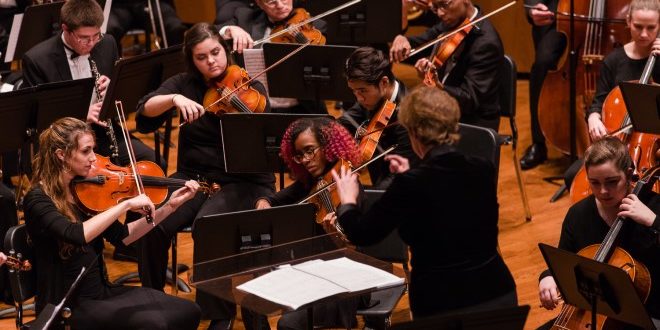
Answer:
(599, 28)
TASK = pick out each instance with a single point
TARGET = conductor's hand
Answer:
(422, 65)
(400, 49)
(541, 16)
(655, 48)
(140, 204)
(398, 164)
(241, 39)
(190, 110)
(347, 185)
(631, 207)
(262, 204)
(597, 129)
(184, 194)
(94, 113)
(102, 84)
(548, 293)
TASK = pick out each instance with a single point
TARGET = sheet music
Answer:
(13, 37)
(255, 63)
(106, 15)
(304, 283)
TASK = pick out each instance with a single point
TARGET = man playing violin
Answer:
(471, 73)
(369, 75)
(250, 24)
(199, 154)
(610, 168)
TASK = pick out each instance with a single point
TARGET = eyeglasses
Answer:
(272, 3)
(306, 155)
(435, 5)
(88, 39)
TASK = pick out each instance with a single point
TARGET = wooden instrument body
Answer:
(306, 32)
(245, 99)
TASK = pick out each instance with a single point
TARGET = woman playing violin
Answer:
(609, 168)
(471, 74)
(66, 240)
(453, 242)
(369, 75)
(627, 63)
(311, 147)
(199, 154)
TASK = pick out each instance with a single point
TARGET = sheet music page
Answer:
(290, 287)
(352, 275)
(106, 15)
(13, 37)
(255, 63)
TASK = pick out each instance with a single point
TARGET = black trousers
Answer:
(549, 46)
(153, 247)
(124, 16)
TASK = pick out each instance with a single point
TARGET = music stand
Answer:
(16, 109)
(512, 318)
(135, 77)
(69, 98)
(266, 131)
(643, 104)
(321, 69)
(360, 24)
(596, 286)
(221, 235)
(37, 24)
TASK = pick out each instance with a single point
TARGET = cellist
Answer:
(609, 168)
(369, 76)
(627, 63)
(471, 74)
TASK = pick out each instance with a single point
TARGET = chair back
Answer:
(508, 88)
(480, 142)
(23, 282)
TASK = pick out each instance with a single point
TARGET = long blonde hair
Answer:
(48, 167)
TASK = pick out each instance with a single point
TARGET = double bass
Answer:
(600, 26)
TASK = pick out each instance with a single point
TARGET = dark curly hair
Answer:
(335, 141)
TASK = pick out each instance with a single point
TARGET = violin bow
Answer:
(307, 21)
(331, 184)
(247, 82)
(131, 156)
(457, 30)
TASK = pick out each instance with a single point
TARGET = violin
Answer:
(373, 132)
(108, 184)
(442, 53)
(231, 93)
(303, 34)
(324, 196)
(572, 317)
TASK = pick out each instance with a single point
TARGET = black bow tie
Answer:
(74, 54)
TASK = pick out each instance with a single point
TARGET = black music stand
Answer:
(321, 69)
(16, 110)
(596, 286)
(263, 141)
(37, 24)
(227, 234)
(135, 77)
(69, 98)
(367, 22)
(512, 318)
(643, 104)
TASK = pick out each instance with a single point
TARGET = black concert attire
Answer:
(48, 62)
(199, 153)
(128, 14)
(8, 218)
(453, 244)
(549, 45)
(583, 226)
(96, 304)
(255, 22)
(472, 72)
(225, 9)
(379, 170)
(617, 67)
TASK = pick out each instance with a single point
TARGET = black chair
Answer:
(508, 91)
(391, 249)
(480, 142)
(23, 282)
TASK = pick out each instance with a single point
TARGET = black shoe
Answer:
(534, 155)
(220, 324)
(125, 253)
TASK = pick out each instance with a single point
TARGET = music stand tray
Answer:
(69, 98)
(263, 138)
(643, 105)
(37, 24)
(580, 280)
(318, 72)
(137, 76)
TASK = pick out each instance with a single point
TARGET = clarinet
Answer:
(110, 131)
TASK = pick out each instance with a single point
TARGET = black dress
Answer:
(446, 210)
(96, 303)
